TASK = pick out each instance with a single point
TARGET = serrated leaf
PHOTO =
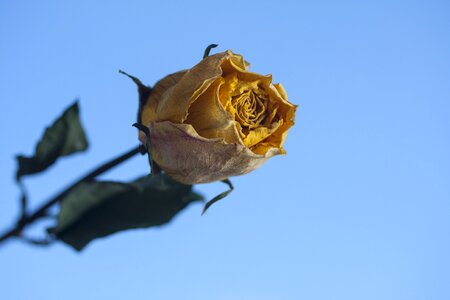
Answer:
(100, 208)
(64, 137)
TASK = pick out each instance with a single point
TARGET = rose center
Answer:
(250, 109)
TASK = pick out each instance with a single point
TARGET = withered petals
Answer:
(207, 112)
(202, 160)
(149, 110)
(175, 102)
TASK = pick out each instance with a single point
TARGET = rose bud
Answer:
(216, 120)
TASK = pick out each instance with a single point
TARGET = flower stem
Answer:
(42, 210)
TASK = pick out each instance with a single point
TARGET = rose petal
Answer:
(210, 119)
(175, 102)
(280, 88)
(171, 102)
(189, 158)
(259, 134)
(149, 110)
(235, 62)
(287, 111)
(228, 132)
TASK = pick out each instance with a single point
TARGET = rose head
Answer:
(216, 120)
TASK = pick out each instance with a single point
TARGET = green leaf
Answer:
(64, 137)
(99, 208)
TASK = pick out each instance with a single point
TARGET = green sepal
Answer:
(154, 168)
(143, 90)
(220, 196)
(208, 50)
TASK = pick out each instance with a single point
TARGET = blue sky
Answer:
(359, 208)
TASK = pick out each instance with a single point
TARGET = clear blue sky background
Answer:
(358, 209)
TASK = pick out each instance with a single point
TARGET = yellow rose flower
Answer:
(216, 120)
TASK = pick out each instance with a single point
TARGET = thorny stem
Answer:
(41, 212)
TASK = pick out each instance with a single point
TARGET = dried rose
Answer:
(216, 120)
